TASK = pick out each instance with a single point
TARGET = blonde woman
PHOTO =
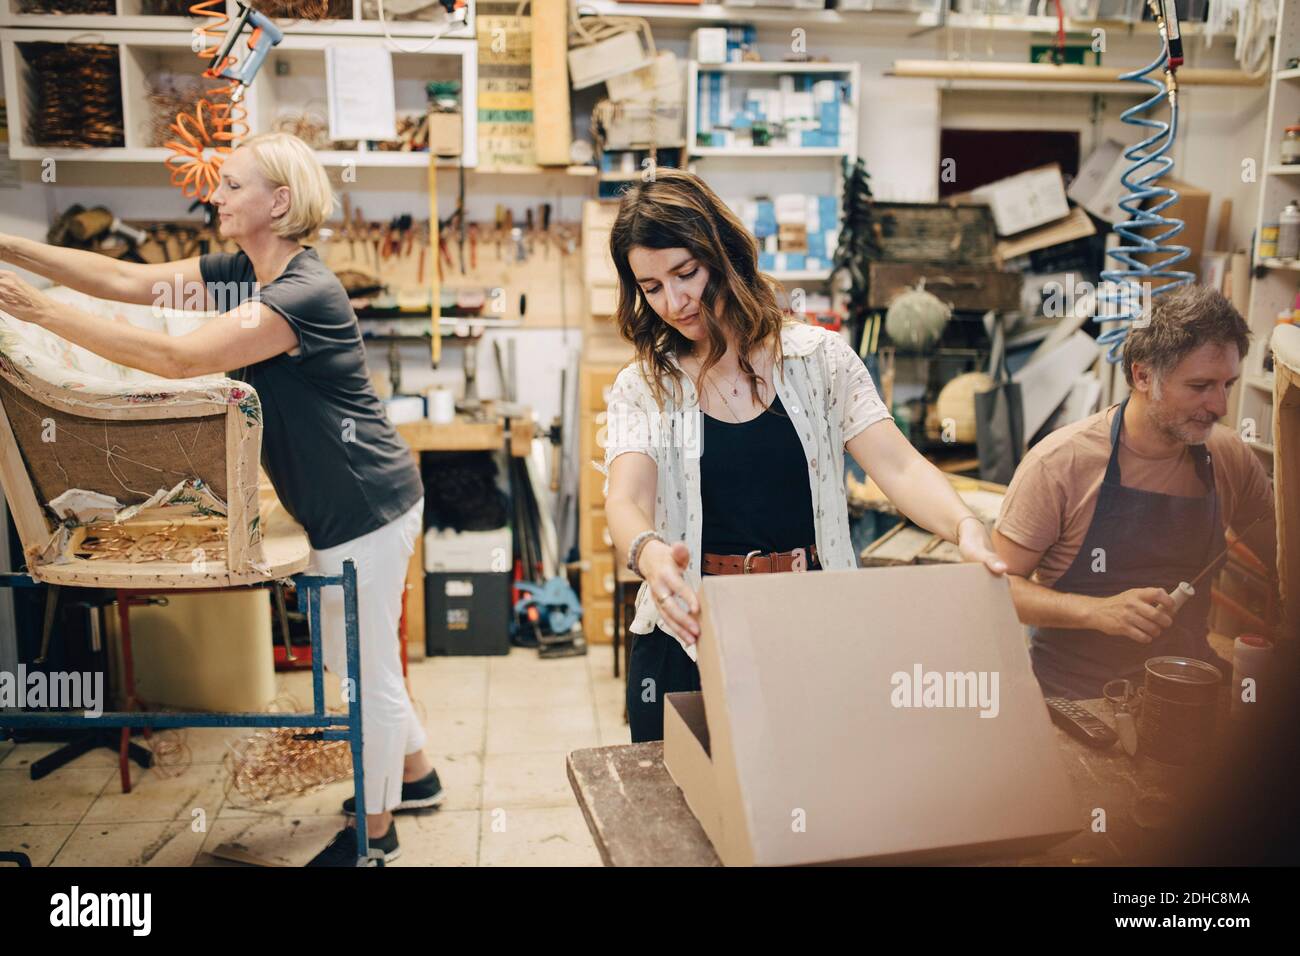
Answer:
(286, 327)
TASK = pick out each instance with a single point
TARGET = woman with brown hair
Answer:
(725, 436)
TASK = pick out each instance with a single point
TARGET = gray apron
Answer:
(1149, 540)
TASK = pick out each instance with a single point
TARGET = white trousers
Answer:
(389, 728)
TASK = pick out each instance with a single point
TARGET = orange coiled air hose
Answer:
(208, 133)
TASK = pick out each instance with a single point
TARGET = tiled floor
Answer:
(499, 729)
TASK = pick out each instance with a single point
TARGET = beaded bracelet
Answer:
(634, 552)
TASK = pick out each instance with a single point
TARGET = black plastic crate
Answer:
(467, 614)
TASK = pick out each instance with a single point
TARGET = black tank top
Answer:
(754, 485)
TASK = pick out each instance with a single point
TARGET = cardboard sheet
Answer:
(824, 746)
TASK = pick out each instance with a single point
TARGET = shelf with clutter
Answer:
(398, 18)
(1275, 292)
(115, 96)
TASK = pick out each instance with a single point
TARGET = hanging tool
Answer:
(1146, 200)
(265, 36)
(460, 209)
(208, 133)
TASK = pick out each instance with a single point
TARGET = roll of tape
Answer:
(1252, 658)
(442, 405)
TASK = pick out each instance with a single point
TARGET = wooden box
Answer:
(935, 232)
(973, 288)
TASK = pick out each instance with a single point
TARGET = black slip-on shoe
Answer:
(342, 850)
(416, 795)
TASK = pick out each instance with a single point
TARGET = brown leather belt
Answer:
(758, 562)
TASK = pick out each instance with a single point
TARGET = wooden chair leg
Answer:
(128, 684)
(123, 759)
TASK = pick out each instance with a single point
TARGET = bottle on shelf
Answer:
(1288, 231)
(1290, 152)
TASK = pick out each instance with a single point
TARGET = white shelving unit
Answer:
(847, 148)
(365, 22)
(1276, 283)
(1010, 23)
(303, 55)
(704, 14)
(273, 92)
(129, 15)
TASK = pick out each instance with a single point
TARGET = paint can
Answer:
(1180, 709)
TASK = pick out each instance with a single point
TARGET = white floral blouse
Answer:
(830, 398)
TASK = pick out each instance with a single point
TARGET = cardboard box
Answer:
(1076, 225)
(1025, 200)
(445, 131)
(597, 62)
(460, 551)
(1193, 208)
(1098, 188)
(807, 745)
(709, 45)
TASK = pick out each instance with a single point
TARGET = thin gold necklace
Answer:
(725, 402)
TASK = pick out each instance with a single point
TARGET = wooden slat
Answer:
(29, 517)
(239, 546)
(902, 544)
(636, 813)
(552, 129)
(424, 435)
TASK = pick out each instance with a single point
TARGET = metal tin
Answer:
(1180, 709)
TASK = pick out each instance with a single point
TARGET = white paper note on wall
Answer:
(361, 92)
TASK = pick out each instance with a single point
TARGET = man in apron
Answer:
(1106, 516)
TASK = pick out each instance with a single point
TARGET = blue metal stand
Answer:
(333, 726)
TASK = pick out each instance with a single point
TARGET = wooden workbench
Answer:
(460, 435)
(638, 816)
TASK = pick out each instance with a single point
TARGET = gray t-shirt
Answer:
(337, 464)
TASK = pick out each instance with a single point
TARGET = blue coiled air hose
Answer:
(1147, 230)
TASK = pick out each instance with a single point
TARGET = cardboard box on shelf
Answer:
(1193, 208)
(1076, 225)
(888, 725)
(1025, 200)
(1098, 188)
